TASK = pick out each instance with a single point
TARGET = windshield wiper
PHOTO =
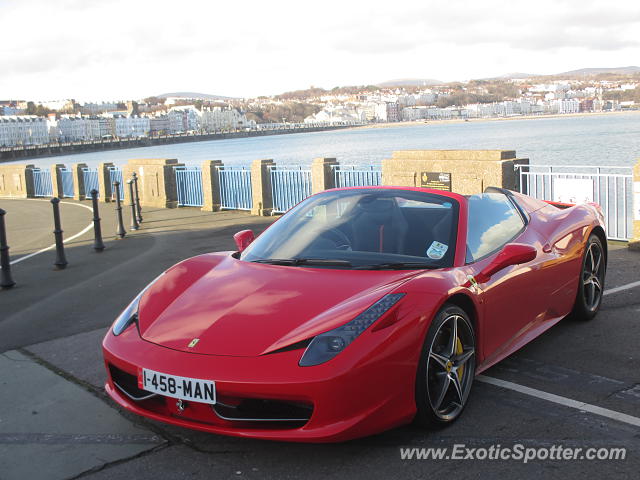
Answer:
(329, 262)
(397, 266)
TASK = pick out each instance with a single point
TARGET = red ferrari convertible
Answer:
(359, 310)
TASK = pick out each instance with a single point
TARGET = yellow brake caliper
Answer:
(459, 350)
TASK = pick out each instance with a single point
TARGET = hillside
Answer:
(194, 95)
(599, 71)
(410, 82)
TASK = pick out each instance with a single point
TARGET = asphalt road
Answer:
(52, 322)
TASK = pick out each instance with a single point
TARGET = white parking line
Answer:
(73, 237)
(567, 402)
(621, 288)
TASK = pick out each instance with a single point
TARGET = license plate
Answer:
(184, 388)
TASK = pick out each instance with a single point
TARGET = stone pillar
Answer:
(261, 187)
(634, 243)
(156, 181)
(465, 171)
(78, 180)
(211, 185)
(16, 181)
(322, 175)
(56, 180)
(104, 182)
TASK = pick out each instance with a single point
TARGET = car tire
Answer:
(591, 282)
(447, 368)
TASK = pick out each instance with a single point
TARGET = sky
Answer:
(112, 49)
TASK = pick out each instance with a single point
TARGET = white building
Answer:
(410, 114)
(184, 118)
(159, 125)
(481, 110)
(570, 105)
(74, 128)
(426, 99)
(439, 113)
(23, 130)
(407, 100)
(381, 112)
(69, 129)
(217, 119)
(336, 114)
(91, 108)
(525, 107)
(369, 111)
(132, 126)
(65, 105)
(106, 126)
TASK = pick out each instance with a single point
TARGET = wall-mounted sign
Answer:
(437, 180)
(573, 190)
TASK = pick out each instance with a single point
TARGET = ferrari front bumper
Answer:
(351, 396)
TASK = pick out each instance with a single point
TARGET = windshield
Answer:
(363, 228)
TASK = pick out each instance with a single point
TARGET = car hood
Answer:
(239, 308)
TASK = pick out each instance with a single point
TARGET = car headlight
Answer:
(130, 314)
(329, 344)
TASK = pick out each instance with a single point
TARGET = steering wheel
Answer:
(338, 237)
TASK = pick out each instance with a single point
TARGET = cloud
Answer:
(497, 235)
(548, 26)
(123, 49)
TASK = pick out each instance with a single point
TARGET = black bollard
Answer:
(61, 261)
(98, 244)
(120, 231)
(5, 275)
(138, 207)
(134, 219)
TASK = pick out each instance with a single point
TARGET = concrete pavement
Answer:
(51, 428)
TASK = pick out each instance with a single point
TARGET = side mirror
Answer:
(243, 239)
(511, 254)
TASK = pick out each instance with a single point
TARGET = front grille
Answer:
(128, 384)
(259, 410)
(244, 412)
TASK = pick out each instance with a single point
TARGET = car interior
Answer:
(396, 226)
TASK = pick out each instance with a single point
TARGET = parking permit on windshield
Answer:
(437, 250)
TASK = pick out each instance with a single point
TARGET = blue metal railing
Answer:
(289, 186)
(115, 175)
(356, 176)
(235, 188)
(66, 175)
(42, 183)
(90, 176)
(189, 186)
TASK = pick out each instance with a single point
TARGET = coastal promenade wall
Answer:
(16, 181)
(8, 154)
(461, 171)
(634, 244)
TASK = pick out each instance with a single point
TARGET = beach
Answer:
(495, 119)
